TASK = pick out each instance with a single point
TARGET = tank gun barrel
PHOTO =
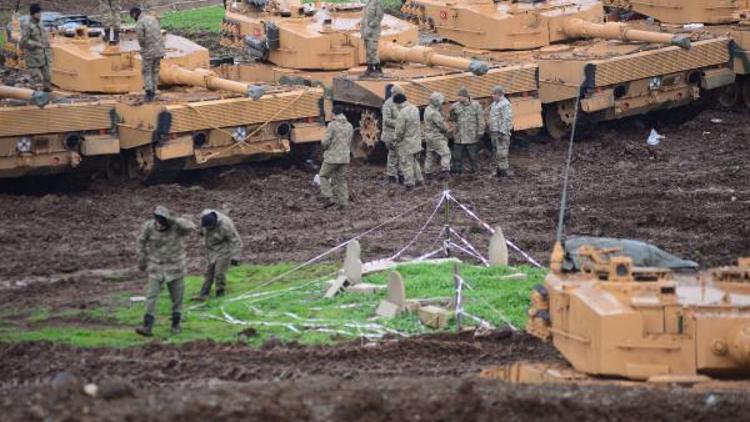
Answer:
(177, 75)
(576, 27)
(39, 98)
(427, 56)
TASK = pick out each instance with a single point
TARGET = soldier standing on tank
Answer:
(389, 113)
(408, 141)
(223, 245)
(336, 156)
(110, 12)
(500, 124)
(37, 53)
(372, 16)
(468, 116)
(150, 40)
(161, 252)
(436, 132)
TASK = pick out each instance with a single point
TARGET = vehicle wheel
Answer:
(556, 127)
(141, 162)
(369, 134)
(729, 96)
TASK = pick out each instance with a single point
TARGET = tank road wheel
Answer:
(116, 167)
(729, 96)
(557, 118)
(369, 134)
(746, 92)
(141, 162)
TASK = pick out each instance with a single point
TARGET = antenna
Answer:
(566, 174)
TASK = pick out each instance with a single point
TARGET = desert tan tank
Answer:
(722, 17)
(620, 70)
(321, 45)
(199, 119)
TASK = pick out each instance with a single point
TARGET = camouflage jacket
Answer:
(148, 31)
(222, 241)
(35, 43)
(337, 143)
(162, 252)
(436, 133)
(501, 117)
(389, 113)
(408, 130)
(469, 122)
(110, 12)
(372, 16)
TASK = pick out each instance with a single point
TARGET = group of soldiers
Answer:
(402, 134)
(161, 253)
(38, 54)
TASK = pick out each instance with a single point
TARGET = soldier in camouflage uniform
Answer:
(408, 141)
(223, 245)
(161, 252)
(372, 16)
(500, 124)
(111, 19)
(468, 116)
(37, 53)
(436, 133)
(150, 40)
(389, 113)
(336, 151)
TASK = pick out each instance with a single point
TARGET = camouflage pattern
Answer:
(372, 16)
(223, 244)
(500, 123)
(336, 156)
(110, 12)
(37, 53)
(465, 151)
(389, 113)
(150, 72)
(162, 254)
(150, 40)
(408, 143)
(436, 136)
(469, 119)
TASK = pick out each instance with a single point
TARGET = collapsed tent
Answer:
(642, 254)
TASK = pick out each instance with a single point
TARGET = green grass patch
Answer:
(200, 19)
(291, 309)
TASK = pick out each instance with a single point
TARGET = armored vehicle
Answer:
(198, 119)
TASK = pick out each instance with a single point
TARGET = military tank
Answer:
(721, 17)
(320, 44)
(198, 120)
(618, 69)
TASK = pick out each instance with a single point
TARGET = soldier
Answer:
(389, 114)
(408, 141)
(337, 149)
(372, 16)
(500, 125)
(161, 252)
(223, 245)
(437, 137)
(110, 12)
(35, 43)
(152, 49)
(469, 118)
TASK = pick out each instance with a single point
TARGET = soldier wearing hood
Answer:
(223, 245)
(389, 113)
(436, 132)
(161, 253)
(336, 156)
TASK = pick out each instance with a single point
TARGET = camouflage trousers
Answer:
(391, 166)
(466, 151)
(501, 144)
(150, 71)
(411, 169)
(371, 51)
(41, 77)
(215, 272)
(153, 288)
(333, 184)
(437, 155)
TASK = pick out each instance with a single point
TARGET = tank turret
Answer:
(694, 11)
(523, 25)
(296, 36)
(38, 98)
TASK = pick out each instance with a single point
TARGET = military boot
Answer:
(176, 319)
(220, 292)
(148, 325)
(377, 70)
(393, 179)
(149, 96)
